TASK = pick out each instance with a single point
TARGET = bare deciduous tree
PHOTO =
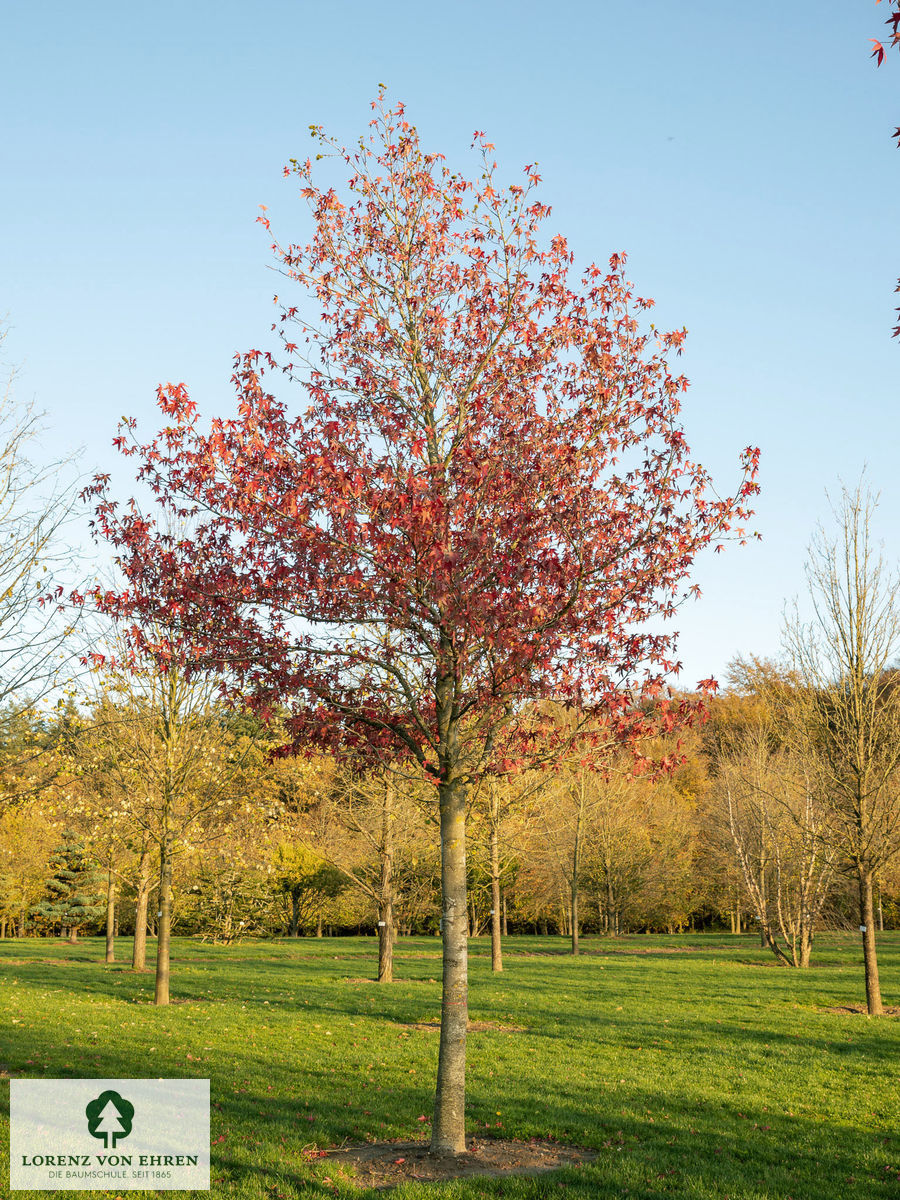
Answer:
(36, 503)
(845, 713)
(772, 805)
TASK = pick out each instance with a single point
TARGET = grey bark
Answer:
(110, 917)
(496, 947)
(164, 919)
(142, 900)
(870, 957)
(386, 932)
(448, 1131)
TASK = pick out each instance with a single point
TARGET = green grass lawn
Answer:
(693, 1065)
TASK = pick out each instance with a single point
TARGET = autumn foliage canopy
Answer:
(482, 499)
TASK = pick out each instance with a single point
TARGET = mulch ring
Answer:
(859, 1010)
(370, 979)
(388, 1164)
(471, 1027)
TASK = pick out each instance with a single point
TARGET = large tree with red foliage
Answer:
(483, 509)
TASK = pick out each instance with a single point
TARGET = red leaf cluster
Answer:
(486, 504)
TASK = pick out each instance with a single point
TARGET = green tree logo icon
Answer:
(109, 1117)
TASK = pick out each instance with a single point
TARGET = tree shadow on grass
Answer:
(673, 1148)
(652, 1140)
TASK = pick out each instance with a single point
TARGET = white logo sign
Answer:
(105, 1134)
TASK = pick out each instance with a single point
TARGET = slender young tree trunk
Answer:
(139, 943)
(3, 927)
(448, 1130)
(496, 948)
(164, 918)
(609, 919)
(110, 917)
(386, 942)
(870, 956)
(805, 947)
(170, 715)
(386, 905)
(295, 915)
(505, 923)
(575, 880)
(142, 901)
(319, 925)
(22, 923)
(880, 910)
(768, 938)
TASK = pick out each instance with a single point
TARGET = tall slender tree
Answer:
(484, 499)
(845, 713)
(172, 775)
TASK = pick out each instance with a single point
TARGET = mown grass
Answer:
(693, 1065)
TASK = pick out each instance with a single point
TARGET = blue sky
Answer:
(740, 155)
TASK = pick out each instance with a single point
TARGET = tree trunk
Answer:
(110, 918)
(386, 892)
(164, 918)
(295, 915)
(142, 901)
(880, 910)
(805, 947)
(496, 948)
(386, 942)
(768, 938)
(448, 1131)
(505, 923)
(870, 957)
(609, 919)
(73, 934)
(319, 925)
(575, 879)
(3, 927)
(22, 923)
